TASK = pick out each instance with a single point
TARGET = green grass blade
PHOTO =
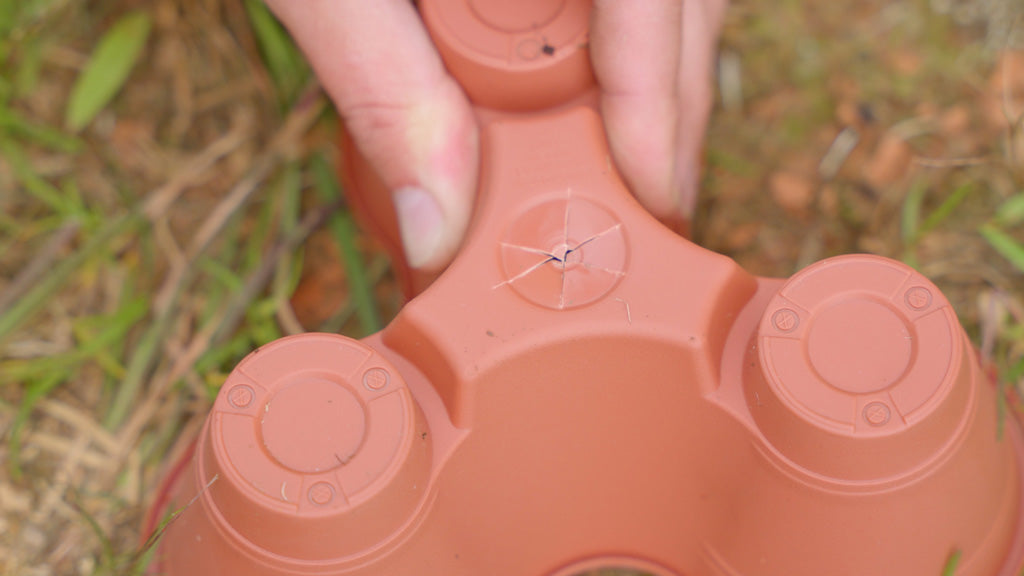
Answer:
(108, 69)
(1016, 372)
(221, 273)
(27, 177)
(107, 547)
(35, 392)
(53, 139)
(285, 63)
(951, 563)
(105, 335)
(138, 367)
(260, 238)
(286, 275)
(910, 221)
(261, 320)
(375, 271)
(50, 372)
(27, 77)
(946, 209)
(1005, 244)
(140, 559)
(1011, 212)
(96, 339)
(343, 228)
(29, 304)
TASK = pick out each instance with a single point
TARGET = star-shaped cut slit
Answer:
(567, 254)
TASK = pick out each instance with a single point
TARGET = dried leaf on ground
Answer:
(793, 191)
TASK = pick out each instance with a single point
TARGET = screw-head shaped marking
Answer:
(376, 379)
(877, 413)
(918, 298)
(785, 320)
(241, 396)
(321, 493)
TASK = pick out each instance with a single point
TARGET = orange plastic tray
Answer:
(582, 388)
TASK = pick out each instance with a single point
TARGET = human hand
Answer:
(413, 123)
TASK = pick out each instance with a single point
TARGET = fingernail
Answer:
(420, 222)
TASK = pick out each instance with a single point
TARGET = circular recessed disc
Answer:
(307, 431)
(313, 426)
(859, 345)
(858, 342)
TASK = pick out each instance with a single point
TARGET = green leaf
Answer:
(1005, 244)
(109, 65)
(1011, 212)
(8, 15)
(951, 563)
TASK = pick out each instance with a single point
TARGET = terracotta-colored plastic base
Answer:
(584, 388)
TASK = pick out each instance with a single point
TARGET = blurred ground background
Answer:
(167, 204)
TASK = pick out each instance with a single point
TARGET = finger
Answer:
(406, 114)
(635, 53)
(702, 21)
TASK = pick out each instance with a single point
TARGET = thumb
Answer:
(407, 116)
